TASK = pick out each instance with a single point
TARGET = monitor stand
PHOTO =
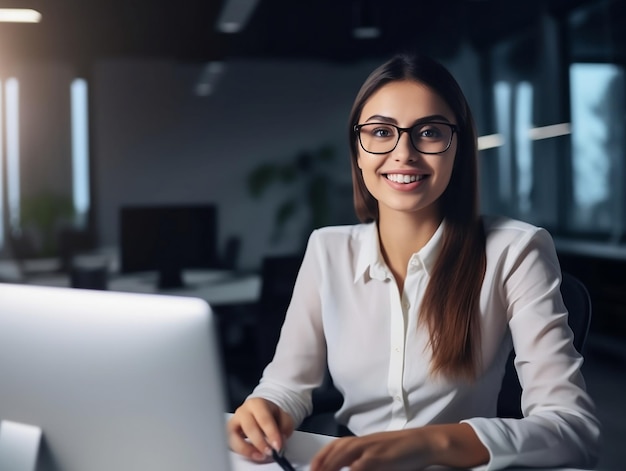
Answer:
(19, 446)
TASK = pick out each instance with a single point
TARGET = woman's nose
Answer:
(404, 151)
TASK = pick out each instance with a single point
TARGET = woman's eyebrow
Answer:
(386, 119)
(381, 119)
(434, 117)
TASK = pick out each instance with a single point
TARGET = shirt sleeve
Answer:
(559, 427)
(299, 361)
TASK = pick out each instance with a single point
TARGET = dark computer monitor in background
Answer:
(168, 239)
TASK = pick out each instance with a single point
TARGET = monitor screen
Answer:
(116, 381)
(168, 239)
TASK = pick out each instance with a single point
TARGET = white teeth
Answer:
(400, 178)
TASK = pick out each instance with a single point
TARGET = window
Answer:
(558, 105)
(25, 195)
(598, 147)
(80, 151)
(12, 153)
(1, 168)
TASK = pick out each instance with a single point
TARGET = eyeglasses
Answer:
(431, 137)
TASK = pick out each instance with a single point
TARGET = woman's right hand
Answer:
(257, 425)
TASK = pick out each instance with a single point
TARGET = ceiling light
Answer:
(546, 132)
(19, 15)
(366, 32)
(365, 20)
(235, 14)
(490, 141)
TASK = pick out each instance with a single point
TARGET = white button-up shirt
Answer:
(347, 310)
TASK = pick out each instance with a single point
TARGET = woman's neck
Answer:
(401, 235)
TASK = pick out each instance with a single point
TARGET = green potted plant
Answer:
(309, 182)
(44, 213)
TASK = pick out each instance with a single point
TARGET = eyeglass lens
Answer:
(429, 138)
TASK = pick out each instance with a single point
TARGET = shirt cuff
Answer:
(491, 437)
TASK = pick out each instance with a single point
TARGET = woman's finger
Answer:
(238, 443)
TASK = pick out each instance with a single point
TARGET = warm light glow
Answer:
(19, 15)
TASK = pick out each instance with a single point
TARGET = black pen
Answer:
(282, 461)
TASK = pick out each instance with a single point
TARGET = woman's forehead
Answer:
(405, 100)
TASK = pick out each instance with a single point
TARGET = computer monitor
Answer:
(168, 239)
(116, 381)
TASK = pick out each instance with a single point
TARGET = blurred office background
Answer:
(243, 105)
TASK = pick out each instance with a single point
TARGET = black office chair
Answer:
(578, 303)
(278, 277)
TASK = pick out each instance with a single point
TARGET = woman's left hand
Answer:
(454, 445)
(398, 450)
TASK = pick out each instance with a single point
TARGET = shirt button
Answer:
(406, 304)
(398, 399)
(396, 349)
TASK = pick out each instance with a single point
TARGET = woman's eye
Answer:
(382, 132)
(430, 132)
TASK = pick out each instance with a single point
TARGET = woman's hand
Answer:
(257, 425)
(401, 450)
(454, 445)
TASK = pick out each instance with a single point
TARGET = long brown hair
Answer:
(450, 308)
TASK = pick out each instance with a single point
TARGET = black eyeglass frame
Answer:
(453, 127)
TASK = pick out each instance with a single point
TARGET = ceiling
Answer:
(86, 30)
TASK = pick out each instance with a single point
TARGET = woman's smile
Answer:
(406, 182)
(404, 178)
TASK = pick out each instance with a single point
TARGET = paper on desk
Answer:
(240, 463)
(300, 450)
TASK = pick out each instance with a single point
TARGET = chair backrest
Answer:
(578, 303)
(278, 273)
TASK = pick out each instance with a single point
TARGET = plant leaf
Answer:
(284, 212)
(261, 178)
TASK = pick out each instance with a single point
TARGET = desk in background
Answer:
(217, 287)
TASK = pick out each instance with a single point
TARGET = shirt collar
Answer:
(370, 260)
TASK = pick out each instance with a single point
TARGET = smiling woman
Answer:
(415, 310)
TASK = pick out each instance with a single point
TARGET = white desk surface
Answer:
(302, 446)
